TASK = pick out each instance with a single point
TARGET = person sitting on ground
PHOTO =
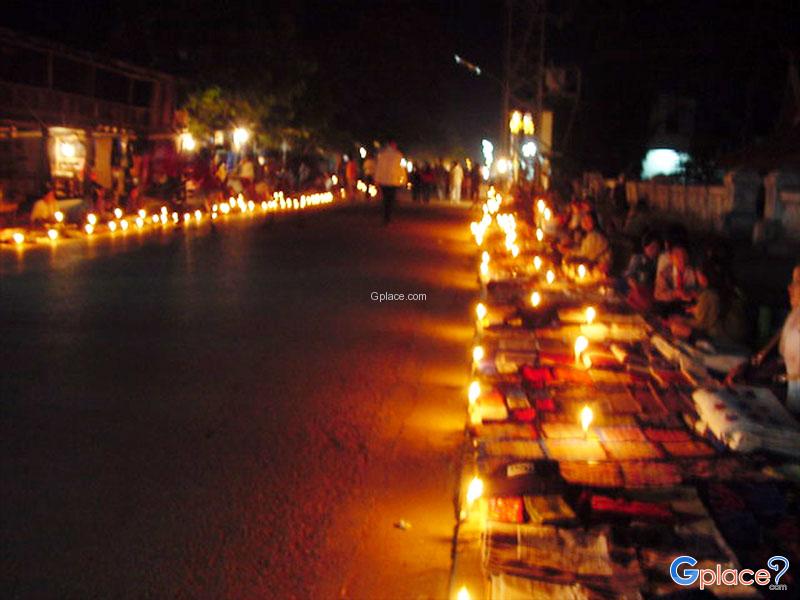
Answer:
(45, 208)
(594, 247)
(706, 318)
(640, 275)
(676, 281)
(787, 340)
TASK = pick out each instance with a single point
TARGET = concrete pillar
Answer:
(742, 188)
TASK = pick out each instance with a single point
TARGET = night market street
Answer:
(228, 414)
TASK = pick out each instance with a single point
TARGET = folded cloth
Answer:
(667, 435)
(650, 474)
(544, 549)
(505, 509)
(690, 448)
(511, 587)
(536, 376)
(524, 415)
(592, 474)
(516, 398)
(548, 509)
(506, 431)
(520, 449)
(491, 406)
(572, 375)
(562, 431)
(748, 418)
(620, 507)
(621, 434)
(632, 450)
(561, 449)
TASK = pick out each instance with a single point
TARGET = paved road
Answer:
(229, 414)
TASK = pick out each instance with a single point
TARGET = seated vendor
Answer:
(787, 340)
(594, 247)
(640, 275)
(705, 316)
(676, 282)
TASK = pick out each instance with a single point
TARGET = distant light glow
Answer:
(536, 299)
(487, 148)
(474, 490)
(663, 161)
(363, 152)
(503, 166)
(529, 149)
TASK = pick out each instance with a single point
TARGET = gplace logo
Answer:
(731, 577)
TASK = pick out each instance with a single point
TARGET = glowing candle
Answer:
(142, 213)
(581, 344)
(118, 213)
(539, 234)
(139, 222)
(536, 299)
(581, 271)
(537, 262)
(587, 416)
(478, 353)
(551, 277)
(474, 392)
(112, 226)
(591, 314)
(89, 229)
(123, 224)
(91, 218)
(59, 216)
(480, 311)
(18, 237)
(463, 594)
(540, 205)
(52, 234)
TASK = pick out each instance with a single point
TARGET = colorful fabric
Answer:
(505, 509)
(592, 475)
(560, 449)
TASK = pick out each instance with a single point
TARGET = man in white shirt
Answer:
(389, 175)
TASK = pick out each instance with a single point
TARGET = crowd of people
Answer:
(444, 181)
(688, 286)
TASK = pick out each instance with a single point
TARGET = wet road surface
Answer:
(230, 415)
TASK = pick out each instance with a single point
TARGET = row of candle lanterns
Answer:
(142, 218)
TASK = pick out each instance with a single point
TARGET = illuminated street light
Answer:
(240, 137)
(187, 142)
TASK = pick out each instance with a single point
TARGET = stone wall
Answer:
(731, 208)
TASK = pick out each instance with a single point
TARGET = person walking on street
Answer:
(456, 179)
(389, 175)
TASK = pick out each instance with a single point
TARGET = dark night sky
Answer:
(386, 68)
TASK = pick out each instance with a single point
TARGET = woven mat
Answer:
(667, 435)
(507, 431)
(632, 450)
(562, 431)
(620, 434)
(522, 449)
(688, 449)
(650, 474)
(593, 475)
(560, 449)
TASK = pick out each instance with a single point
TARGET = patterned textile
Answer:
(522, 449)
(632, 450)
(505, 509)
(574, 450)
(650, 474)
(620, 434)
(592, 475)
(506, 431)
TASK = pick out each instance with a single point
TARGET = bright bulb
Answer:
(474, 490)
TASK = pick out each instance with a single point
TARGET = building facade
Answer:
(67, 116)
